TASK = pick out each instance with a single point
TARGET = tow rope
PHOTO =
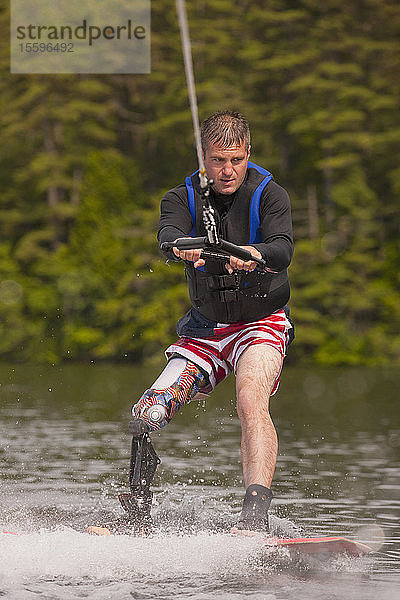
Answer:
(205, 183)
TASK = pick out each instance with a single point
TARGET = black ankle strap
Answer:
(254, 513)
(258, 494)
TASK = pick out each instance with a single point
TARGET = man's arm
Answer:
(175, 219)
(176, 222)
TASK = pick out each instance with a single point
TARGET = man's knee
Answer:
(188, 381)
(252, 404)
(257, 370)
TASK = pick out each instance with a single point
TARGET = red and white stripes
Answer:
(218, 355)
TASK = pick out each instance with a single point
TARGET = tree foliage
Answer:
(85, 159)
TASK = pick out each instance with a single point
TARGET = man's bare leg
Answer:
(256, 372)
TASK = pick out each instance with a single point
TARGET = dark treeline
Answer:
(85, 159)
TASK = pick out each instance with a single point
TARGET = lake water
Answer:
(65, 447)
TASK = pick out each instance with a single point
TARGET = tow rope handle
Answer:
(211, 250)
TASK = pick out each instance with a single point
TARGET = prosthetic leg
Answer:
(137, 503)
(177, 385)
(143, 465)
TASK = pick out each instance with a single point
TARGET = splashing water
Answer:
(64, 460)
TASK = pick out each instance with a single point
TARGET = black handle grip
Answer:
(222, 246)
(239, 252)
(185, 244)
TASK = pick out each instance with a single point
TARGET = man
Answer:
(237, 322)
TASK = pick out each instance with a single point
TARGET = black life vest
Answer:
(241, 296)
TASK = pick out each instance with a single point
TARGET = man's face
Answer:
(226, 166)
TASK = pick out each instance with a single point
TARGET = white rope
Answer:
(187, 57)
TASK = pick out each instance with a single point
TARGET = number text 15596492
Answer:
(46, 47)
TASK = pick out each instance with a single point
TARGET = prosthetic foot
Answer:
(137, 503)
(254, 516)
(144, 462)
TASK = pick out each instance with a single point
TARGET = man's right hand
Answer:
(192, 255)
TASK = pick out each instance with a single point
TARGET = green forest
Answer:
(85, 160)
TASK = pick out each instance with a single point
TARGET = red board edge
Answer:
(332, 545)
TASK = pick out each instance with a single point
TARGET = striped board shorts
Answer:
(218, 355)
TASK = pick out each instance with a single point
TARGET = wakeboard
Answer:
(317, 545)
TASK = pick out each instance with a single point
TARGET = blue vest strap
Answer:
(255, 234)
(192, 202)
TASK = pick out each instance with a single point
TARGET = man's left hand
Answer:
(242, 265)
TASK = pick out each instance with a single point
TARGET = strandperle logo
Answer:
(85, 31)
(80, 36)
